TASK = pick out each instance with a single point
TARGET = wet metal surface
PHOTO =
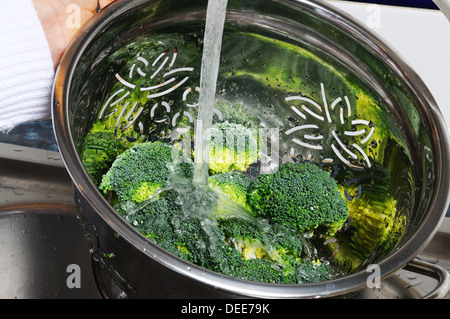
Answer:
(39, 246)
(39, 232)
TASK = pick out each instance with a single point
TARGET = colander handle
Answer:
(435, 271)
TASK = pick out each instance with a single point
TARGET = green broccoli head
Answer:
(198, 240)
(286, 243)
(267, 271)
(233, 185)
(299, 196)
(140, 171)
(154, 220)
(99, 149)
(261, 270)
(165, 221)
(270, 253)
(244, 236)
(256, 239)
(232, 147)
(249, 256)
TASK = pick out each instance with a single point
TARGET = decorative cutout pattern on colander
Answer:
(348, 153)
(170, 78)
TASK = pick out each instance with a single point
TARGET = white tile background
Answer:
(420, 36)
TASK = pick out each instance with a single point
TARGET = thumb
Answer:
(104, 3)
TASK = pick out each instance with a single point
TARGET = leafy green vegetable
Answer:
(232, 147)
(140, 171)
(300, 196)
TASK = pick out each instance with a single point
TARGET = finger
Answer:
(104, 3)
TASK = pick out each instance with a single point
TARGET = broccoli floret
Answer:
(274, 252)
(244, 236)
(140, 171)
(313, 271)
(300, 196)
(261, 270)
(249, 256)
(99, 149)
(232, 147)
(258, 239)
(197, 239)
(286, 243)
(153, 219)
(196, 199)
(164, 221)
(233, 185)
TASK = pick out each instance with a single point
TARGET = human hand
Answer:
(61, 19)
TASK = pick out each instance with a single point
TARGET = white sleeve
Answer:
(26, 66)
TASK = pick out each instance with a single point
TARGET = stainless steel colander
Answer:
(316, 84)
